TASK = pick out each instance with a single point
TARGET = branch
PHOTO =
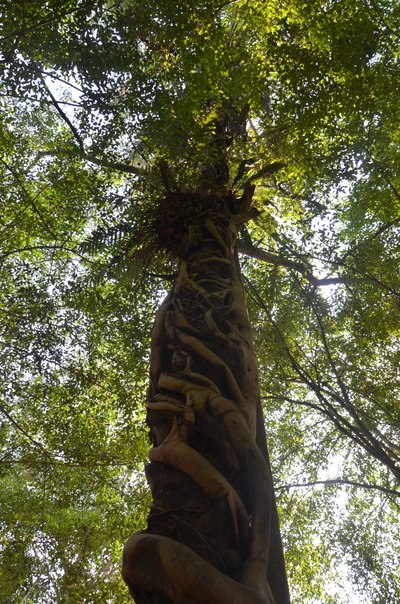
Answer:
(64, 116)
(343, 425)
(294, 401)
(30, 199)
(263, 255)
(21, 429)
(50, 461)
(375, 235)
(227, 3)
(340, 481)
(378, 452)
(31, 100)
(300, 267)
(21, 32)
(32, 248)
(55, 77)
(382, 171)
(104, 163)
(383, 20)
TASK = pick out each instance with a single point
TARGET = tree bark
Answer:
(213, 533)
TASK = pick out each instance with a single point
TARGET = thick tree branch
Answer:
(263, 255)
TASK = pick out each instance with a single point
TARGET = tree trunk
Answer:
(213, 533)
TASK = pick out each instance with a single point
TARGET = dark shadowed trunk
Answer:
(213, 533)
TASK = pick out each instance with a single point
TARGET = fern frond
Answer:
(103, 238)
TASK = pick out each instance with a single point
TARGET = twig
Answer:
(21, 32)
(64, 116)
(21, 429)
(30, 199)
(339, 481)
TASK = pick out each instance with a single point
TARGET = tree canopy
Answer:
(105, 107)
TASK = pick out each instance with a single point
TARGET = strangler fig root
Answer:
(212, 535)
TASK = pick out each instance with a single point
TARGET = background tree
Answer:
(104, 106)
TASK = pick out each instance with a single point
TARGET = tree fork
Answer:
(213, 533)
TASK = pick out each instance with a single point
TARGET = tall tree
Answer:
(138, 142)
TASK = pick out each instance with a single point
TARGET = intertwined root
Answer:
(175, 570)
(202, 410)
(157, 564)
